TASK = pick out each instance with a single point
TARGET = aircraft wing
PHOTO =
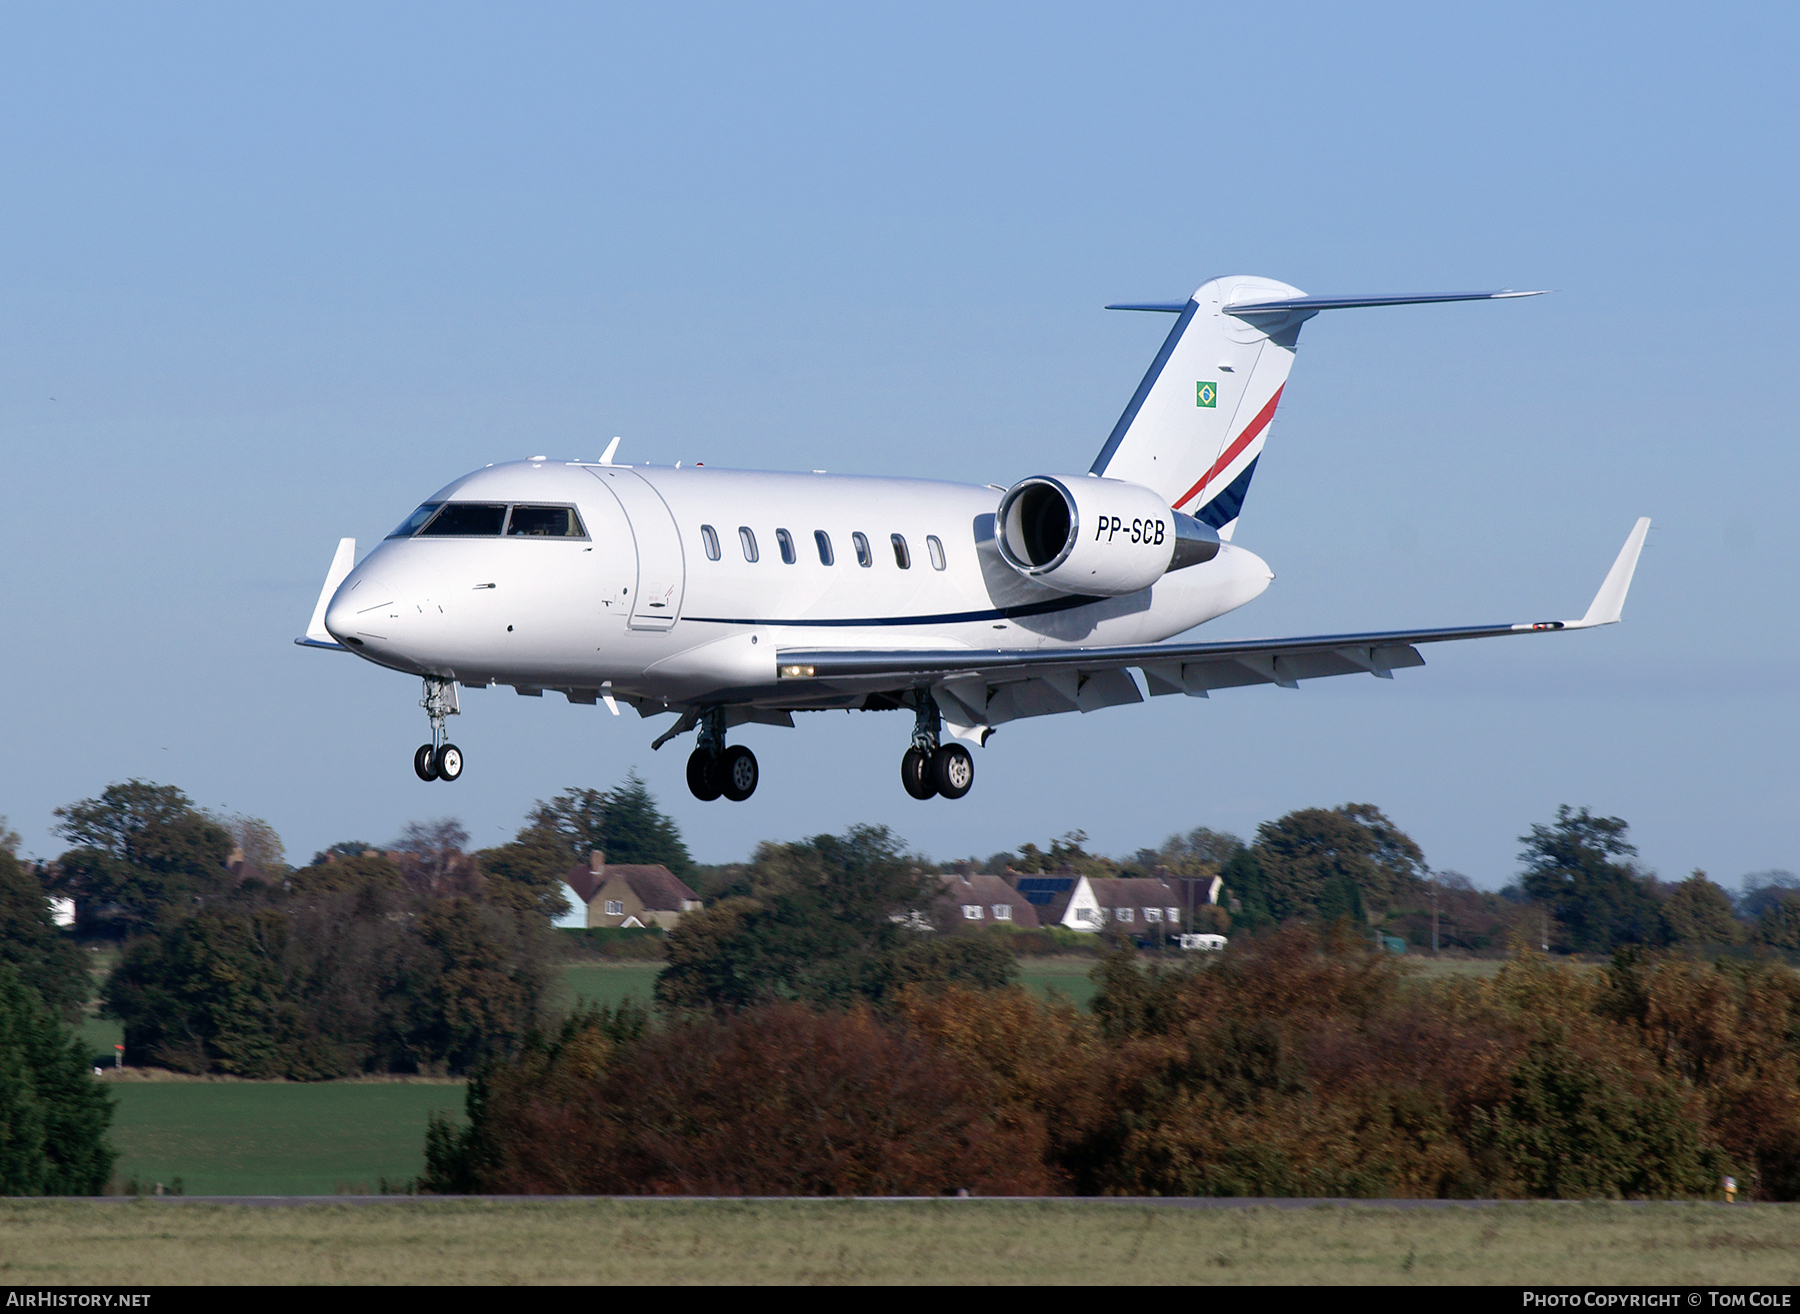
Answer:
(984, 687)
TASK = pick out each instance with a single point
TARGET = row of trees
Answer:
(419, 957)
(142, 858)
(1579, 891)
(1300, 1064)
(425, 956)
(811, 1040)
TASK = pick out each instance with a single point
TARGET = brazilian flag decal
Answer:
(1206, 394)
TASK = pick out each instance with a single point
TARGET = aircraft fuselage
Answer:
(659, 599)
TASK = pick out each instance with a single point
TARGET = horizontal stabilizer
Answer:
(1252, 305)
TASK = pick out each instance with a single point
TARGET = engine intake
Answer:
(1078, 534)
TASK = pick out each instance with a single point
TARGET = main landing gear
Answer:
(713, 769)
(438, 760)
(929, 767)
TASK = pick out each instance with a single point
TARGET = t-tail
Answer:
(1198, 422)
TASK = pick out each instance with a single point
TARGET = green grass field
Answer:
(275, 1137)
(151, 1242)
(99, 1035)
(606, 983)
(1067, 977)
(1430, 968)
(610, 983)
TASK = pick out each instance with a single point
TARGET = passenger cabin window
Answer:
(710, 541)
(902, 558)
(411, 524)
(823, 540)
(936, 548)
(785, 541)
(466, 520)
(748, 539)
(544, 522)
(864, 557)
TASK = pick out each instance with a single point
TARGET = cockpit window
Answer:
(411, 525)
(544, 522)
(466, 520)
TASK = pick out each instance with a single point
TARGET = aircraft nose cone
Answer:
(363, 610)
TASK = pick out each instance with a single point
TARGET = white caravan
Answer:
(730, 596)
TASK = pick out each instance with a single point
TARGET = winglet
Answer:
(1609, 603)
(317, 636)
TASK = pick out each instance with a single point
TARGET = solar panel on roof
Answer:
(1041, 890)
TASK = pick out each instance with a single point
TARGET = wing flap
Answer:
(1201, 666)
(985, 687)
(1302, 658)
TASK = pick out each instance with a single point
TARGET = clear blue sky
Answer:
(268, 275)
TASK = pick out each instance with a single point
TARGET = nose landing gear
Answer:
(713, 769)
(438, 760)
(931, 768)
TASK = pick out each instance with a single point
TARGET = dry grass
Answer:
(666, 1241)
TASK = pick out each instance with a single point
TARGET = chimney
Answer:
(596, 861)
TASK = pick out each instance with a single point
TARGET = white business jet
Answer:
(729, 597)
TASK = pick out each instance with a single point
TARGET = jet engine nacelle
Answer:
(1079, 534)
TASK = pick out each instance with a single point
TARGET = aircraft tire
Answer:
(447, 762)
(703, 776)
(422, 765)
(737, 773)
(952, 770)
(915, 774)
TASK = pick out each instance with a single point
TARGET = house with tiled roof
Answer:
(977, 901)
(1139, 905)
(627, 894)
(1063, 898)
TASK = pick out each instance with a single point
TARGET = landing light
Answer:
(795, 672)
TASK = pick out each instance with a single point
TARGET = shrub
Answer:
(1300, 1066)
(631, 944)
(780, 1100)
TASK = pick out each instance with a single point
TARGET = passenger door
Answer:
(661, 572)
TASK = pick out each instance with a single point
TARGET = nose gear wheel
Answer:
(438, 760)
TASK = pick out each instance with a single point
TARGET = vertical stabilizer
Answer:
(1198, 421)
